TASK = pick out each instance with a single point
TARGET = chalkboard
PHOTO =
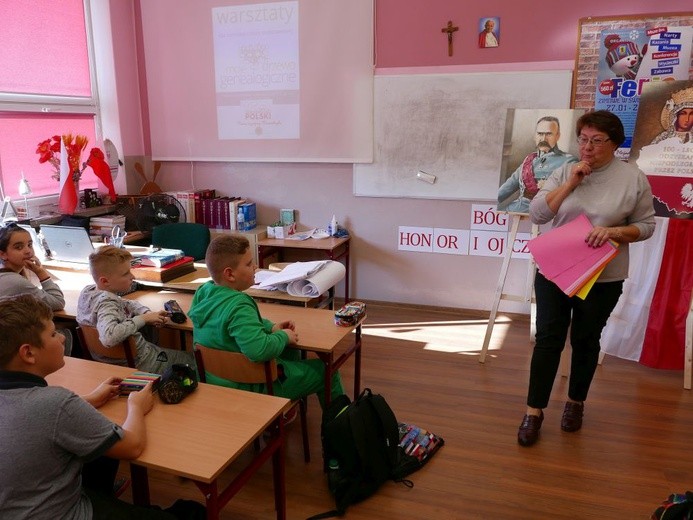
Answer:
(450, 126)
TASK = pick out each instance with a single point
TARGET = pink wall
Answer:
(407, 35)
(408, 32)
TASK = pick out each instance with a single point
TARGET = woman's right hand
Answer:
(578, 172)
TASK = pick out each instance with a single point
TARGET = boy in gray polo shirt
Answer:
(48, 432)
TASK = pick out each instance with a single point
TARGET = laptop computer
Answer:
(37, 243)
(68, 243)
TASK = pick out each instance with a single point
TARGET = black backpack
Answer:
(360, 443)
(678, 506)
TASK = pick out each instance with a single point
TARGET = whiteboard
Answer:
(451, 126)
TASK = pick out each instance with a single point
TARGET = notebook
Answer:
(68, 243)
(37, 243)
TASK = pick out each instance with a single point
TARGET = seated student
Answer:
(226, 318)
(18, 260)
(116, 318)
(22, 273)
(48, 432)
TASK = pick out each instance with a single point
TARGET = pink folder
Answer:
(564, 257)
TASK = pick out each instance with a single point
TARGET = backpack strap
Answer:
(387, 419)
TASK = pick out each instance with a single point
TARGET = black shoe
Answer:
(528, 433)
(572, 416)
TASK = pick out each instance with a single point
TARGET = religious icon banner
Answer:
(663, 145)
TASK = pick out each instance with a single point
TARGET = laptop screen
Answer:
(68, 243)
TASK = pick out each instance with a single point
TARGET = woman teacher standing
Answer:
(617, 199)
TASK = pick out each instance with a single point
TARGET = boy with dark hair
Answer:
(48, 432)
(117, 319)
(226, 318)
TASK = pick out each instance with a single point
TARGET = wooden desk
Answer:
(66, 274)
(197, 438)
(317, 331)
(333, 248)
(191, 281)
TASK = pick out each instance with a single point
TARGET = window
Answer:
(46, 88)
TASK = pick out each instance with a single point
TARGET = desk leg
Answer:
(357, 361)
(278, 475)
(346, 275)
(329, 370)
(212, 501)
(140, 485)
(275, 449)
(345, 254)
(264, 251)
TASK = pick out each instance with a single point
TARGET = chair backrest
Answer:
(234, 366)
(91, 344)
(192, 237)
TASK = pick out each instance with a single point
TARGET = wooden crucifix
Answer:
(450, 29)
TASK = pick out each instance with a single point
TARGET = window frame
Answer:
(46, 104)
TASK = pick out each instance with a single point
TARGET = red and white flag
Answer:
(67, 196)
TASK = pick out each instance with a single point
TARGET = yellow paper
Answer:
(585, 289)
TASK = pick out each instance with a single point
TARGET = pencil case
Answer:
(350, 314)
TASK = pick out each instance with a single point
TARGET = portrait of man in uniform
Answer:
(530, 156)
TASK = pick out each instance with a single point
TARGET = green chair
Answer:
(191, 237)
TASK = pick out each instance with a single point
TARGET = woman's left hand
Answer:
(598, 235)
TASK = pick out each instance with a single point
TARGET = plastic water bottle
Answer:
(334, 475)
(332, 228)
(241, 220)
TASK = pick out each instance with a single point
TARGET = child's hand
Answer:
(284, 325)
(34, 264)
(144, 399)
(104, 392)
(293, 337)
(156, 318)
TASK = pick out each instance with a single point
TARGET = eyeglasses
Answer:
(594, 141)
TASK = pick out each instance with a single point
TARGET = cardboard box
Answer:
(279, 231)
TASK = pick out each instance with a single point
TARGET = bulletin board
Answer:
(583, 92)
(450, 126)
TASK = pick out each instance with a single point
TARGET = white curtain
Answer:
(624, 333)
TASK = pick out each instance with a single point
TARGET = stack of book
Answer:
(100, 227)
(564, 257)
(162, 265)
(205, 207)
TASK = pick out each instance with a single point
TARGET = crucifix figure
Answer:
(449, 29)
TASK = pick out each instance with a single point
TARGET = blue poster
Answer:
(629, 58)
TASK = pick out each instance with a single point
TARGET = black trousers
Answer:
(556, 312)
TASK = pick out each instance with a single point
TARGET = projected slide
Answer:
(257, 71)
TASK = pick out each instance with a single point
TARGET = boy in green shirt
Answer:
(226, 318)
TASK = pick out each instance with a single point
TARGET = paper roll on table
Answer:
(320, 282)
